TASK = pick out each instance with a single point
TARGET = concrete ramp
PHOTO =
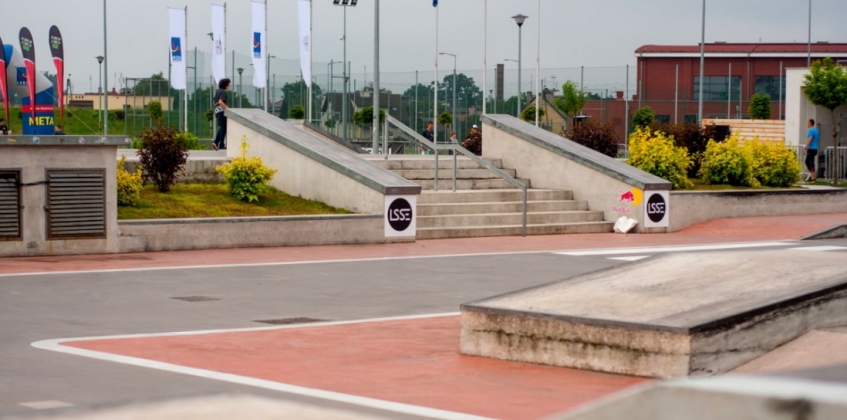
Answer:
(668, 316)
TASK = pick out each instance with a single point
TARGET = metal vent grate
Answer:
(10, 205)
(287, 321)
(76, 204)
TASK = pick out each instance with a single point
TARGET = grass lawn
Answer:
(699, 185)
(213, 200)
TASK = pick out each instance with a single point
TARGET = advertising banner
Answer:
(400, 217)
(57, 49)
(218, 42)
(4, 87)
(304, 9)
(28, 51)
(176, 35)
(259, 9)
(656, 209)
(37, 117)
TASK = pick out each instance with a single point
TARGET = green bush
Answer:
(162, 155)
(154, 108)
(297, 112)
(727, 163)
(693, 137)
(596, 136)
(760, 106)
(528, 114)
(644, 117)
(655, 152)
(189, 140)
(129, 185)
(364, 116)
(772, 164)
(246, 178)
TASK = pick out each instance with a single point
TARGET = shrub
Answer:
(528, 114)
(246, 178)
(727, 163)
(655, 152)
(473, 142)
(772, 164)
(297, 113)
(129, 185)
(644, 117)
(760, 106)
(154, 108)
(364, 116)
(692, 137)
(596, 136)
(162, 155)
(189, 140)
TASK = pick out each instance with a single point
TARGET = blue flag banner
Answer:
(434, 3)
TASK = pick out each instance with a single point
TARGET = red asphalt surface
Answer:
(408, 361)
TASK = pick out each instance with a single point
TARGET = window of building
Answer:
(716, 88)
(771, 86)
(664, 119)
(690, 119)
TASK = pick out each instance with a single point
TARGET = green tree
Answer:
(155, 85)
(365, 116)
(445, 119)
(760, 106)
(644, 117)
(154, 108)
(294, 94)
(297, 112)
(528, 114)
(572, 100)
(465, 88)
(826, 86)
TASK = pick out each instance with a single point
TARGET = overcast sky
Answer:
(574, 33)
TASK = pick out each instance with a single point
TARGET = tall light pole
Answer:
(100, 59)
(240, 95)
(344, 107)
(376, 82)
(518, 113)
(484, 54)
(519, 19)
(454, 86)
(105, 76)
(809, 58)
(268, 81)
(538, 68)
(702, 64)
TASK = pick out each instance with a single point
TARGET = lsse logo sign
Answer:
(656, 209)
(400, 217)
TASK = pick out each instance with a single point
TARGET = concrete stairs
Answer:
(486, 205)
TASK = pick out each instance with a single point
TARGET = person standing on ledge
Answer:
(812, 139)
(220, 106)
(427, 134)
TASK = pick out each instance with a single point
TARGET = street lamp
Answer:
(106, 79)
(517, 114)
(240, 95)
(455, 121)
(344, 109)
(100, 59)
(702, 64)
(519, 19)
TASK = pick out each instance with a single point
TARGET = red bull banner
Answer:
(57, 49)
(28, 51)
(4, 87)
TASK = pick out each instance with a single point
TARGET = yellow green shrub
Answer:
(129, 185)
(772, 164)
(246, 178)
(656, 153)
(728, 163)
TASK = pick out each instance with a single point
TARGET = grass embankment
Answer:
(213, 200)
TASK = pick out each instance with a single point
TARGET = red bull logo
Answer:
(634, 197)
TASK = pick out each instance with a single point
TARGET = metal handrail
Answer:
(456, 148)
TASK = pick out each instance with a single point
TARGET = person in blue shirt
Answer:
(813, 138)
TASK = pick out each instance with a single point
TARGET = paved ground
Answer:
(52, 298)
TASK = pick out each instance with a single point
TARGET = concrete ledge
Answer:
(248, 232)
(329, 136)
(66, 140)
(674, 315)
(837, 231)
(689, 208)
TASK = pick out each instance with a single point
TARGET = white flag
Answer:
(177, 44)
(259, 40)
(304, 8)
(218, 42)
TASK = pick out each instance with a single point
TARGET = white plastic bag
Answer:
(625, 224)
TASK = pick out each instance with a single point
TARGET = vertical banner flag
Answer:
(57, 49)
(4, 88)
(258, 45)
(28, 51)
(304, 8)
(176, 34)
(218, 42)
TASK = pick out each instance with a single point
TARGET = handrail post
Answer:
(436, 166)
(385, 139)
(454, 168)
(525, 193)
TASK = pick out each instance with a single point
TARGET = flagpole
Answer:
(311, 46)
(435, 101)
(105, 75)
(484, 56)
(185, 57)
(538, 68)
(267, 56)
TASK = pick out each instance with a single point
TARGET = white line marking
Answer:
(681, 248)
(353, 260)
(632, 258)
(46, 405)
(57, 346)
(821, 248)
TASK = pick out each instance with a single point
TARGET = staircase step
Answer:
(500, 207)
(469, 184)
(447, 173)
(413, 162)
(497, 219)
(514, 230)
(446, 195)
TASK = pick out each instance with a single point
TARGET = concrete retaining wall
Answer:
(688, 208)
(243, 232)
(200, 170)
